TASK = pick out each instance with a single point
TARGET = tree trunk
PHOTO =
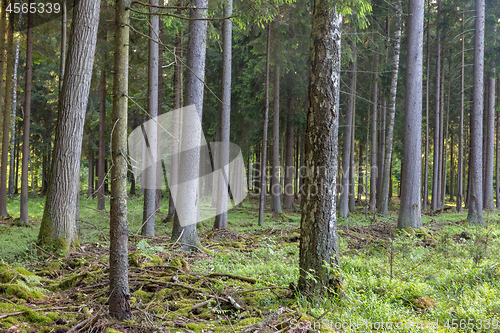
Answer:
(381, 146)
(446, 142)
(149, 174)
(373, 149)
(224, 121)
(460, 164)
(6, 118)
(101, 199)
(190, 160)
(297, 166)
(319, 252)
(276, 184)
(409, 212)
(497, 178)
(346, 151)
(119, 298)
(175, 129)
(475, 214)
(24, 217)
(383, 207)
(12, 174)
(263, 161)
(488, 200)
(360, 172)
(289, 167)
(352, 202)
(436, 186)
(442, 162)
(427, 80)
(63, 44)
(91, 175)
(58, 225)
(452, 168)
(3, 28)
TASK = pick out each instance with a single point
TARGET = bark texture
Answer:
(149, 207)
(119, 297)
(409, 212)
(288, 190)
(225, 112)
(475, 214)
(436, 186)
(23, 217)
(6, 118)
(488, 200)
(345, 187)
(58, 225)
(383, 206)
(276, 184)
(263, 160)
(319, 253)
(101, 199)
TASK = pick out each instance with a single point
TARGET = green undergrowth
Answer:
(425, 280)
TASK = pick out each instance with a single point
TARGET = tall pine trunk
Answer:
(58, 225)
(119, 297)
(383, 207)
(475, 214)
(346, 151)
(488, 200)
(101, 199)
(373, 148)
(6, 118)
(460, 164)
(24, 217)
(276, 184)
(289, 155)
(225, 113)
(436, 186)
(149, 174)
(263, 160)
(409, 212)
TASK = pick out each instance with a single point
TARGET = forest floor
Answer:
(443, 278)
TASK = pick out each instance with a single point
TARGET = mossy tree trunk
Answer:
(58, 223)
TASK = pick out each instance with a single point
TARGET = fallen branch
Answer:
(232, 276)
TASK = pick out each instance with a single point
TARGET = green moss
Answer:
(36, 318)
(7, 274)
(409, 231)
(53, 315)
(7, 307)
(134, 258)
(249, 321)
(133, 300)
(197, 327)
(74, 279)
(179, 263)
(238, 245)
(21, 291)
(144, 296)
(9, 322)
(111, 330)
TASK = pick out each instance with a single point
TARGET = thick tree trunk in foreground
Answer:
(225, 112)
(190, 160)
(488, 200)
(263, 160)
(6, 118)
(409, 213)
(383, 206)
(319, 253)
(64, 23)
(425, 191)
(346, 151)
(101, 200)
(24, 217)
(276, 184)
(12, 173)
(3, 27)
(149, 207)
(119, 294)
(475, 214)
(58, 223)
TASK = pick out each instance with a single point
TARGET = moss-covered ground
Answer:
(443, 278)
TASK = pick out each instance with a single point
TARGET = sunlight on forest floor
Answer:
(444, 275)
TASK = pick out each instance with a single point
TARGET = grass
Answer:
(448, 274)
